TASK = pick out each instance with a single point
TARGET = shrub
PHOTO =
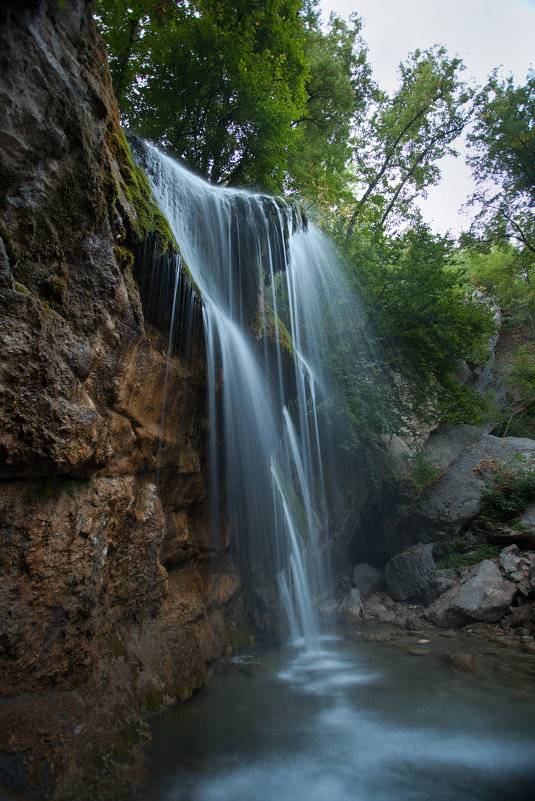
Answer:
(509, 492)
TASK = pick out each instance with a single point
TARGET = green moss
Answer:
(52, 486)
(125, 258)
(117, 648)
(58, 287)
(186, 689)
(148, 219)
(127, 737)
(153, 700)
(454, 560)
(21, 289)
(275, 329)
(239, 639)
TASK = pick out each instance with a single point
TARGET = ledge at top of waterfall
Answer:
(277, 317)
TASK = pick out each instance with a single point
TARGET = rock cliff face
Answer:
(115, 594)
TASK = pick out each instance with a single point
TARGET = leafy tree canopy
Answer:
(219, 83)
(421, 317)
(397, 147)
(503, 142)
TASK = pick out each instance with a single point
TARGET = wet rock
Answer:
(5, 273)
(329, 609)
(375, 610)
(459, 660)
(367, 578)
(351, 607)
(483, 594)
(521, 615)
(411, 574)
(497, 534)
(370, 636)
(449, 634)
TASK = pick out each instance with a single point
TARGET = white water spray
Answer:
(266, 279)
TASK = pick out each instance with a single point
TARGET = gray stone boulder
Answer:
(329, 610)
(379, 608)
(351, 607)
(453, 501)
(410, 575)
(367, 578)
(444, 579)
(510, 559)
(482, 594)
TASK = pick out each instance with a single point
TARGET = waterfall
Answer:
(273, 302)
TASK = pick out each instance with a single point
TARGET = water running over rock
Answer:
(275, 309)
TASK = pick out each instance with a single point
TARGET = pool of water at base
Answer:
(353, 721)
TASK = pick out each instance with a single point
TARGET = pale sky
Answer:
(484, 33)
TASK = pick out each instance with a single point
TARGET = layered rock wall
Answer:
(115, 593)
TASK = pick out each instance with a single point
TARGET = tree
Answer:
(397, 148)
(500, 271)
(503, 163)
(219, 83)
(338, 89)
(421, 317)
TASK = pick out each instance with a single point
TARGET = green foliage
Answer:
(422, 471)
(219, 83)
(520, 404)
(421, 320)
(458, 558)
(500, 271)
(338, 88)
(397, 146)
(503, 143)
(510, 492)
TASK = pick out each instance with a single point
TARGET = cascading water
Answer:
(272, 296)
(335, 720)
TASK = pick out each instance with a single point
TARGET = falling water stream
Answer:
(321, 719)
(273, 301)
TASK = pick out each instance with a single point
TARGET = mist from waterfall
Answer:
(275, 309)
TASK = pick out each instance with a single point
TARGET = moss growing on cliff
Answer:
(52, 486)
(275, 329)
(135, 185)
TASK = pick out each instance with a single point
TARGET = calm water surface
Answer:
(352, 721)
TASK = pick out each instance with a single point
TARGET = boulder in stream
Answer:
(410, 575)
(482, 594)
(351, 607)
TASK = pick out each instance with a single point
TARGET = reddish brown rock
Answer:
(115, 592)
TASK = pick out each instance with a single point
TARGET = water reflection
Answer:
(351, 722)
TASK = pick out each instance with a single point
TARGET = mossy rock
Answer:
(147, 218)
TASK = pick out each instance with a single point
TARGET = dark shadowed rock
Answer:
(410, 575)
(367, 578)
